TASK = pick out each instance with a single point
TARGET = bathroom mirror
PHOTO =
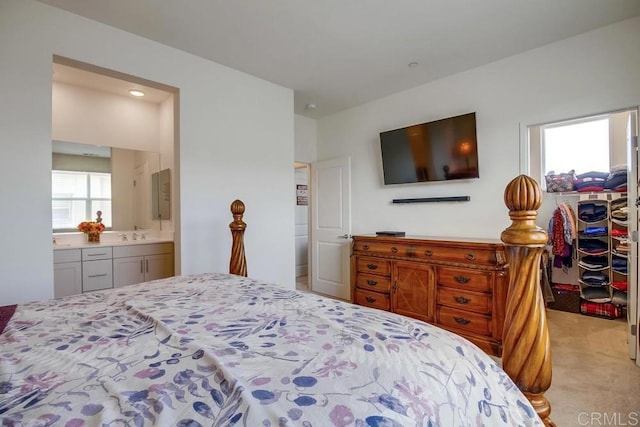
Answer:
(87, 178)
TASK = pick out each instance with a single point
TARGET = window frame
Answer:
(88, 200)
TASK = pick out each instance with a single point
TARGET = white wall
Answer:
(591, 73)
(99, 118)
(236, 140)
(305, 139)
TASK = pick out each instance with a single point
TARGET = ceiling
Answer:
(96, 81)
(337, 54)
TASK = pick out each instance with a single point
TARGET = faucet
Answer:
(135, 236)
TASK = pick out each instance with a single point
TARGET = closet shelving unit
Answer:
(602, 260)
(594, 248)
(619, 253)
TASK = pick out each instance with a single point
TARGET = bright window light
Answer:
(583, 147)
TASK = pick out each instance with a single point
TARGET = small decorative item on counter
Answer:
(92, 228)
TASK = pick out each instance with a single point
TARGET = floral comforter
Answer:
(221, 350)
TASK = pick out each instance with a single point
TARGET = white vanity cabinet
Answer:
(97, 268)
(141, 263)
(67, 272)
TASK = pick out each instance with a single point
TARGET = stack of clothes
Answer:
(595, 181)
(590, 182)
(619, 209)
(617, 179)
(592, 212)
(621, 249)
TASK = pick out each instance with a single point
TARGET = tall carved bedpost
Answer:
(526, 356)
(238, 262)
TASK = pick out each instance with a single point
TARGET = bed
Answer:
(223, 349)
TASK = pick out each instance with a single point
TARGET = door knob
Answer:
(345, 236)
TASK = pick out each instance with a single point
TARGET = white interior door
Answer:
(331, 227)
(633, 318)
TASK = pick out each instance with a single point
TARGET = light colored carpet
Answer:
(594, 381)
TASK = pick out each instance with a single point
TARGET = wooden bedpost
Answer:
(526, 355)
(238, 263)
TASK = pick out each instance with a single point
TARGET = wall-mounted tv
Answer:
(440, 150)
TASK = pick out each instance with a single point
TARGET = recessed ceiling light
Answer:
(310, 106)
(136, 92)
(413, 64)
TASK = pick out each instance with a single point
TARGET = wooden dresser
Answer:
(459, 285)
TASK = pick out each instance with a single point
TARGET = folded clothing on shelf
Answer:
(594, 261)
(595, 231)
(618, 203)
(596, 294)
(591, 212)
(619, 298)
(620, 214)
(594, 278)
(621, 285)
(616, 179)
(593, 245)
(619, 232)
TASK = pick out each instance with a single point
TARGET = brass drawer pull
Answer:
(461, 300)
(428, 252)
(462, 320)
(372, 282)
(470, 256)
(365, 247)
(461, 279)
(394, 250)
(370, 300)
(372, 266)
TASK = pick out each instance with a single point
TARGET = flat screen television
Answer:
(440, 150)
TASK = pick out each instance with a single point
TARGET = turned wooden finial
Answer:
(526, 356)
(238, 262)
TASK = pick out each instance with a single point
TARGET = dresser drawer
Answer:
(464, 320)
(372, 282)
(465, 279)
(373, 266)
(372, 299)
(100, 252)
(452, 254)
(383, 248)
(66, 255)
(464, 300)
(97, 275)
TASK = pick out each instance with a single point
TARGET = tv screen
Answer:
(435, 151)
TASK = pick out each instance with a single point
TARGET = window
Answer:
(582, 146)
(77, 196)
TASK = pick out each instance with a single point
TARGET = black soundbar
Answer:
(434, 199)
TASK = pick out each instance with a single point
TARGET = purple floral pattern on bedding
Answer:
(220, 350)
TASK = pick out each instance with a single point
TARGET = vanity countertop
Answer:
(107, 243)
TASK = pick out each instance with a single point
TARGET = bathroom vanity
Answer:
(85, 267)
